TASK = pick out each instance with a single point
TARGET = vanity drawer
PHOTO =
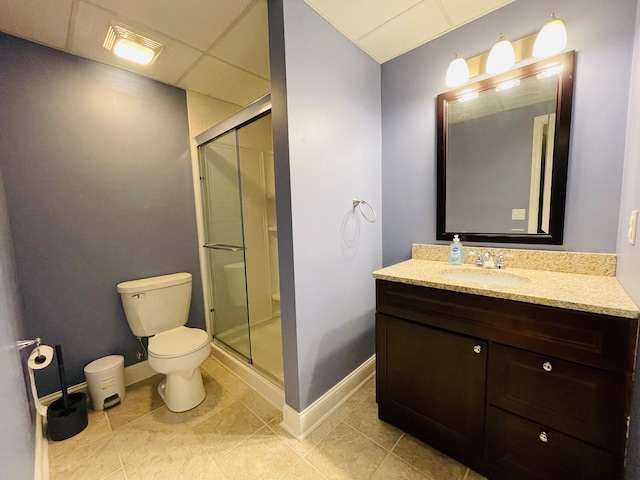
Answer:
(580, 401)
(526, 450)
(599, 341)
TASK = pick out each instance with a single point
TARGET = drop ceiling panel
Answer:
(90, 27)
(211, 77)
(463, 11)
(357, 17)
(43, 22)
(405, 32)
(196, 22)
(247, 45)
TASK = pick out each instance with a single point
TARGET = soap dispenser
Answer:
(456, 255)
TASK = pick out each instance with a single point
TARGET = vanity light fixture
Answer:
(508, 84)
(131, 46)
(551, 39)
(548, 72)
(501, 57)
(457, 73)
(468, 96)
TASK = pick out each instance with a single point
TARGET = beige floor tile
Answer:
(97, 427)
(261, 456)
(428, 460)
(370, 387)
(182, 458)
(95, 460)
(303, 470)
(365, 419)
(140, 399)
(146, 434)
(346, 454)
(226, 428)
(119, 475)
(259, 406)
(392, 468)
(234, 385)
(215, 368)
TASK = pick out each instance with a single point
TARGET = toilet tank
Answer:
(156, 304)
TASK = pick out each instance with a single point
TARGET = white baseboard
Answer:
(137, 372)
(132, 374)
(41, 460)
(273, 394)
(300, 425)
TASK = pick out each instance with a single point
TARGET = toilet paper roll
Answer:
(36, 363)
(47, 352)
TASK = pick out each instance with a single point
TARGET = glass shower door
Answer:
(224, 241)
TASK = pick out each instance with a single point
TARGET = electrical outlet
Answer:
(633, 226)
(518, 213)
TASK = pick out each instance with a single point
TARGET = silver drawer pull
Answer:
(544, 438)
(547, 367)
(477, 348)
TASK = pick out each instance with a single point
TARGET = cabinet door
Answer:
(431, 383)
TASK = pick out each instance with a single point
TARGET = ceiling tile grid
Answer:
(219, 48)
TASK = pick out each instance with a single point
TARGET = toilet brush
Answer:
(67, 416)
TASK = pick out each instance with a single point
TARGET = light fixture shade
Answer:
(133, 51)
(501, 56)
(551, 39)
(457, 73)
(127, 44)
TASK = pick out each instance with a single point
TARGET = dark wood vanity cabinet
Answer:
(513, 390)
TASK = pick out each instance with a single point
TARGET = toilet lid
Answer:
(177, 341)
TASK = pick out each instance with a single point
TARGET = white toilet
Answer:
(158, 307)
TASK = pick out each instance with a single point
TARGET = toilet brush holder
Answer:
(67, 416)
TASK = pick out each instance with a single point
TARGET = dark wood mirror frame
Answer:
(564, 103)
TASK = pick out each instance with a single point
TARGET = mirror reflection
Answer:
(502, 167)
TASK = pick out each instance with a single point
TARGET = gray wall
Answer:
(16, 433)
(489, 170)
(333, 118)
(628, 272)
(602, 35)
(98, 181)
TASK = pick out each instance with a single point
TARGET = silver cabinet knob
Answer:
(477, 348)
(547, 367)
(544, 438)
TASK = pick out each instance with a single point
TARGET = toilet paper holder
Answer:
(27, 343)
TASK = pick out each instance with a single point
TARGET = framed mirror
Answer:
(503, 150)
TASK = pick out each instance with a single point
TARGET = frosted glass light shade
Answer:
(133, 51)
(551, 39)
(501, 56)
(457, 73)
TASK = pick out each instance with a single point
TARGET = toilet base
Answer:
(180, 393)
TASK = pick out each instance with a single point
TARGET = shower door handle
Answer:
(222, 246)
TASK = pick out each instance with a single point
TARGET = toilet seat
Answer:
(177, 342)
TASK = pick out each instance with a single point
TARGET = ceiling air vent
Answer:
(132, 46)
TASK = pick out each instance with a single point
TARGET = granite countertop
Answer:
(587, 293)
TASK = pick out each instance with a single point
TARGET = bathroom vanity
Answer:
(526, 381)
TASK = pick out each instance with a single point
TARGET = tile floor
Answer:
(235, 435)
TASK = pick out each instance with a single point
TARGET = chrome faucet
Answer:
(487, 259)
(500, 261)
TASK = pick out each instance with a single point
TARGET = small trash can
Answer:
(105, 381)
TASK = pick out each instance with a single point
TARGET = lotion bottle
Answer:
(456, 255)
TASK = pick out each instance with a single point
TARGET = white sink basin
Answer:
(485, 278)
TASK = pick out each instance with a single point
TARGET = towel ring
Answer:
(358, 203)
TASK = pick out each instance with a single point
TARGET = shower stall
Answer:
(240, 246)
